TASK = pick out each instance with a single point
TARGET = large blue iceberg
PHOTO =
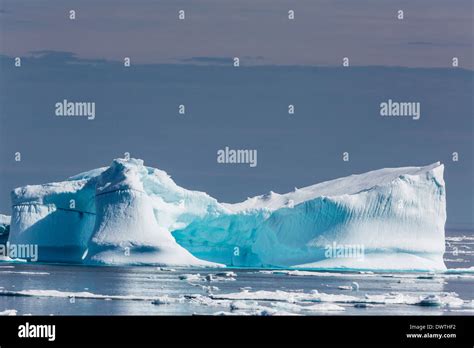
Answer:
(388, 219)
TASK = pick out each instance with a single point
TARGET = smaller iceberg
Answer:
(4, 229)
(4, 225)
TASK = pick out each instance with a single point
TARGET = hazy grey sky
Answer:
(366, 31)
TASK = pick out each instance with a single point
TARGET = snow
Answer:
(130, 214)
(343, 186)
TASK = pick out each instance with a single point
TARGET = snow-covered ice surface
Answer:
(33, 288)
(130, 214)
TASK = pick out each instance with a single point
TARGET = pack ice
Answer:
(132, 214)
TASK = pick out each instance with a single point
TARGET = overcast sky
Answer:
(366, 31)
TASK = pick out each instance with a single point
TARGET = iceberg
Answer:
(4, 225)
(4, 231)
(131, 214)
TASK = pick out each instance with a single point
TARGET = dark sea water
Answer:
(44, 289)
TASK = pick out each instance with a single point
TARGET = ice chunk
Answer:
(4, 228)
(430, 301)
(4, 224)
(9, 312)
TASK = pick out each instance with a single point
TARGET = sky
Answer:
(282, 62)
(322, 33)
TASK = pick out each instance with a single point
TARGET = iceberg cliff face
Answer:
(136, 209)
(58, 217)
(386, 219)
(132, 214)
